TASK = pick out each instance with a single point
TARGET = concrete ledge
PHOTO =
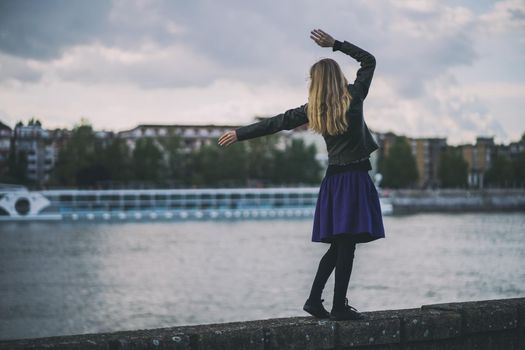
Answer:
(486, 324)
(485, 315)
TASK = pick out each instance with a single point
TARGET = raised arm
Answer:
(288, 120)
(367, 60)
(365, 72)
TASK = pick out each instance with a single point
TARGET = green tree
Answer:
(235, 163)
(34, 121)
(147, 161)
(206, 166)
(261, 165)
(297, 164)
(16, 168)
(214, 166)
(75, 161)
(518, 167)
(176, 169)
(115, 158)
(452, 168)
(399, 167)
(85, 161)
(500, 173)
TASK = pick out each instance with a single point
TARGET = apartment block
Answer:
(478, 158)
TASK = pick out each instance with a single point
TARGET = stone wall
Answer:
(487, 324)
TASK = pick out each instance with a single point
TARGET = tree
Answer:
(147, 161)
(16, 167)
(236, 165)
(518, 167)
(500, 173)
(297, 164)
(206, 166)
(76, 157)
(212, 165)
(261, 163)
(176, 161)
(452, 168)
(399, 167)
(33, 121)
(115, 158)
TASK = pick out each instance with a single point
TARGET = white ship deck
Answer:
(160, 204)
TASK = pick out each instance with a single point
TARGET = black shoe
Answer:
(316, 309)
(347, 313)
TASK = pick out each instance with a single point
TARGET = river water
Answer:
(72, 278)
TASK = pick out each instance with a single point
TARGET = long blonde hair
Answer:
(328, 98)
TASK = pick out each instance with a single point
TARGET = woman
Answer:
(347, 210)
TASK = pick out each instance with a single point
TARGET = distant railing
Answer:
(11, 187)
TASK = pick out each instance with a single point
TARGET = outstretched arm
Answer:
(367, 60)
(288, 120)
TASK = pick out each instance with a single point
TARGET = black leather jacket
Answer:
(357, 142)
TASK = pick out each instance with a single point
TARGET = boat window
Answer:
(66, 198)
(145, 197)
(109, 197)
(129, 206)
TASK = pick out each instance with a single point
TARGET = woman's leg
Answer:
(326, 266)
(343, 269)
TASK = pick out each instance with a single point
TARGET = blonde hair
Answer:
(328, 98)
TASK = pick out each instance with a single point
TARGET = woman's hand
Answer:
(228, 138)
(321, 38)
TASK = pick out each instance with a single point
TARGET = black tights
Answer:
(340, 256)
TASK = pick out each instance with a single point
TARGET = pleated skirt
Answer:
(348, 205)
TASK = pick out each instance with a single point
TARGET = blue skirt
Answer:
(348, 205)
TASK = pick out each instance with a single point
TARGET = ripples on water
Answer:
(71, 278)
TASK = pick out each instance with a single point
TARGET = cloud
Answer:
(148, 66)
(175, 48)
(120, 106)
(507, 15)
(446, 110)
(43, 29)
(13, 69)
(236, 39)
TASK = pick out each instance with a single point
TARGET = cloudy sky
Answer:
(452, 69)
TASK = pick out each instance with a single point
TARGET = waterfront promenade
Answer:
(456, 200)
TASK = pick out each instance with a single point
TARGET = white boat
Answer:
(19, 204)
